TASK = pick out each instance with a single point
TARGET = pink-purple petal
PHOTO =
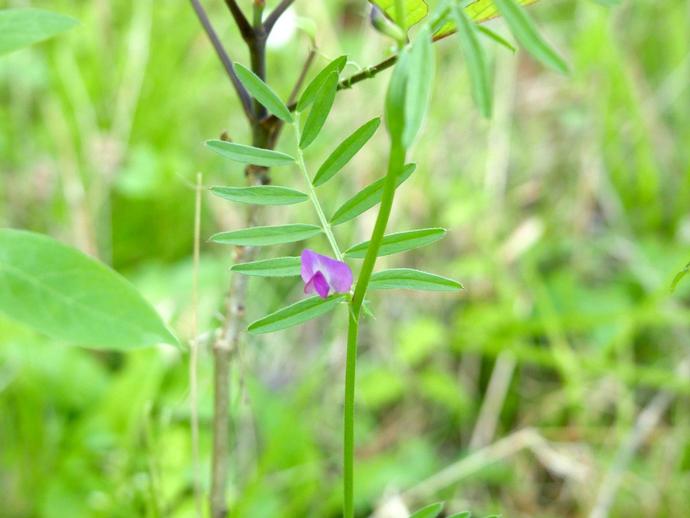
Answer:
(332, 274)
(317, 284)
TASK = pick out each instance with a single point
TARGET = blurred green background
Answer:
(556, 384)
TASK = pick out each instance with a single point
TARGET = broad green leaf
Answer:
(496, 37)
(278, 267)
(71, 297)
(249, 154)
(261, 195)
(323, 102)
(264, 236)
(263, 93)
(399, 242)
(419, 83)
(524, 30)
(410, 279)
(309, 94)
(430, 511)
(295, 314)
(348, 148)
(464, 514)
(394, 108)
(415, 10)
(477, 66)
(23, 27)
(479, 11)
(367, 198)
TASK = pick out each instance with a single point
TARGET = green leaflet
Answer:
(415, 10)
(23, 27)
(347, 149)
(399, 242)
(309, 94)
(477, 66)
(249, 154)
(430, 511)
(261, 195)
(277, 267)
(419, 83)
(367, 198)
(526, 33)
(479, 11)
(73, 298)
(295, 314)
(265, 236)
(263, 93)
(323, 102)
(408, 278)
(394, 109)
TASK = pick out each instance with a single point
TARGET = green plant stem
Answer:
(396, 162)
(325, 225)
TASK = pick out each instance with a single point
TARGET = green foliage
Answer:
(421, 70)
(277, 267)
(244, 154)
(23, 27)
(315, 85)
(366, 198)
(63, 293)
(295, 314)
(263, 93)
(477, 66)
(321, 107)
(399, 242)
(524, 30)
(408, 278)
(430, 511)
(415, 10)
(261, 195)
(265, 236)
(345, 151)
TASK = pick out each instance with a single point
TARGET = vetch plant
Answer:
(329, 280)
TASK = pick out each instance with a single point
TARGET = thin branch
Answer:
(302, 76)
(367, 73)
(224, 58)
(243, 24)
(272, 18)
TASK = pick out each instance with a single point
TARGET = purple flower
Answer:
(322, 274)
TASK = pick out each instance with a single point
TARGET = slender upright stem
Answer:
(241, 21)
(325, 225)
(396, 162)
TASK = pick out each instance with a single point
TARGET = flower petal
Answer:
(317, 284)
(309, 260)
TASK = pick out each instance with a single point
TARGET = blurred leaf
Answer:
(524, 30)
(420, 80)
(249, 154)
(367, 198)
(263, 93)
(309, 94)
(496, 37)
(477, 66)
(464, 514)
(23, 27)
(415, 10)
(347, 149)
(380, 386)
(399, 242)
(410, 279)
(295, 314)
(264, 236)
(478, 11)
(418, 339)
(394, 110)
(323, 102)
(679, 276)
(430, 511)
(261, 195)
(72, 297)
(277, 267)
